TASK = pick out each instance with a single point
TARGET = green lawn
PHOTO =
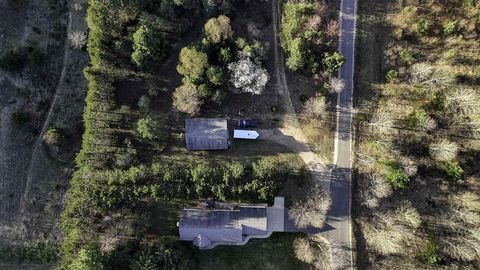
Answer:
(275, 252)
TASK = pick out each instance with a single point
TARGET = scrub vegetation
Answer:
(418, 143)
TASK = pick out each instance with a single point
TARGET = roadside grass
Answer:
(275, 252)
(320, 134)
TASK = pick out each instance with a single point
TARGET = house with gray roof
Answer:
(236, 226)
(206, 134)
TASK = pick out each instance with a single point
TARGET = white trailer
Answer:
(245, 134)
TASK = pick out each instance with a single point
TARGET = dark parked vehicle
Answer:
(247, 123)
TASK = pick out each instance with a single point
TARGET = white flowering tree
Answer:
(248, 76)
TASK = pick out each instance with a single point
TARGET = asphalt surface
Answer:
(339, 217)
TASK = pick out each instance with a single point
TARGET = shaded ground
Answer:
(275, 252)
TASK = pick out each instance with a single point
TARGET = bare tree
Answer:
(467, 199)
(303, 250)
(406, 214)
(420, 72)
(463, 246)
(381, 122)
(314, 250)
(335, 85)
(373, 188)
(464, 101)
(311, 208)
(187, 99)
(383, 240)
(443, 150)
(78, 39)
(333, 28)
(315, 106)
(389, 230)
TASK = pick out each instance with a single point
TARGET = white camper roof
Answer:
(245, 134)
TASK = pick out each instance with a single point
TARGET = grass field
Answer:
(275, 253)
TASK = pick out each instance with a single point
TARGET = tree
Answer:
(78, 39)
(218, 29)
(443, 150)
(248, 76)
(193, 63)
(146, 128)
(335, 85)
(149, 47)
(333, 62)
(315, 106)
(311, 209)
(187, 99)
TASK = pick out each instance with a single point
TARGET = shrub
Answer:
(166, 254)
(193, 63)
(406, 55)
(78, 39)
(420, 120)
(36, 56)
(34, 252)
(149, 47)
(335, 85)
(423, 26)
(53, 136)
(394, 174)
(315, 106)
(333, 62)
(144, 103)
(12, 61)
(430, 254)
(218, 29)
(452, 169)
(449, 27)
(215, 75)
(392, 76)
(186, 98)
(20, 117)
(87, 258)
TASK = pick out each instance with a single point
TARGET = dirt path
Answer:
(38, 142)
(291, 135)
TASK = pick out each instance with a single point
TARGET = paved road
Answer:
(340, 185)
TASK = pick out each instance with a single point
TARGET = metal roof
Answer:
(206, 133)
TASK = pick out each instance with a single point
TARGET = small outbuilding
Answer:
(206, 134)
(245, 134)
